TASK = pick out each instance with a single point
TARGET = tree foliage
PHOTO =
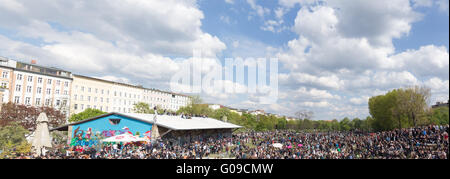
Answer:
(26, 116)
(86, 114)
(400, 108)
(143, 108)
(12, 139)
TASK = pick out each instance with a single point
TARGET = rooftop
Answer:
(170, 122)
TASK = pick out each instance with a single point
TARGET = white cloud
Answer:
(173, 27)
(292, 3)
(229, 1)
(345, 47)
(321, 104)
(125, 38)
(422, 3)
(427, 61)
(443, 5)
(437, 85)
(258, 9)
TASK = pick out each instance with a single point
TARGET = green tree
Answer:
(345, 124)
(142, 108)
(380, 108)
(86, 114)
(12, 138)
(356, 123)
(439, 116)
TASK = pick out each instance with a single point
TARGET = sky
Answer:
(333, 55)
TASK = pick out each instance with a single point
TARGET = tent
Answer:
(125, 137)
(277, 145)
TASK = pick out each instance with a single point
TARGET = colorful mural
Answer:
(92, 132)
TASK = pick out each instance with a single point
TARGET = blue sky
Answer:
(333, 55)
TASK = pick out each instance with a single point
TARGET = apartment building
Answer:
(165, 100)
(34, 85)
(110, 96)
(102, 94)
(6, 69)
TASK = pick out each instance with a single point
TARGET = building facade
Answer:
(104, 95)
(34, 85)
(111, 96)
(164, 100)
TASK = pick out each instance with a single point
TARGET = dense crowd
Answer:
(430, 142)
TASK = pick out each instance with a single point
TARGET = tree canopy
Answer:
(86, 114)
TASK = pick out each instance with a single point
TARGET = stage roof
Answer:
(170, 122)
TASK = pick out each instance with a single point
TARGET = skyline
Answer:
(327, 63)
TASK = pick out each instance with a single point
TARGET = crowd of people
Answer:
(430, 142)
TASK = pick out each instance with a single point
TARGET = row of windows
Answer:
(39, 80)
(119, 109)
(37, 101)
(102, 91)
(39, 90)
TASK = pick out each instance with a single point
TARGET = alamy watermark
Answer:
(256, 77)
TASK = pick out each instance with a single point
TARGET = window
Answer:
(58, 82)
(66, 84)
(82, 88)
(75, 106)
(16, 99)
(38, 101)
(114, 121)
(5, 74)
(29, 89)
(19, 76)
(103, 91)
(89, 90)
(28, 101)
(75, 97)
(95, 99)
(49, 81)
(81, 98)
(39, 80)
(18, 87)
(82, 106)
(49, 91)
(4, 85)
(96, 90)
(38, 90)
(57, 102)
(101, 99)
(89, 99)
(64, 103)
(65, 92)
(30, 79)
(47, 102)
(56, 91)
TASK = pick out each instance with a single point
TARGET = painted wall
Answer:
(90, 133)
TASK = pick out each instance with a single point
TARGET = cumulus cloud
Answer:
(126, 38)
(346, 47)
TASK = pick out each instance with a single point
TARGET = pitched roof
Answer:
(170, 122)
